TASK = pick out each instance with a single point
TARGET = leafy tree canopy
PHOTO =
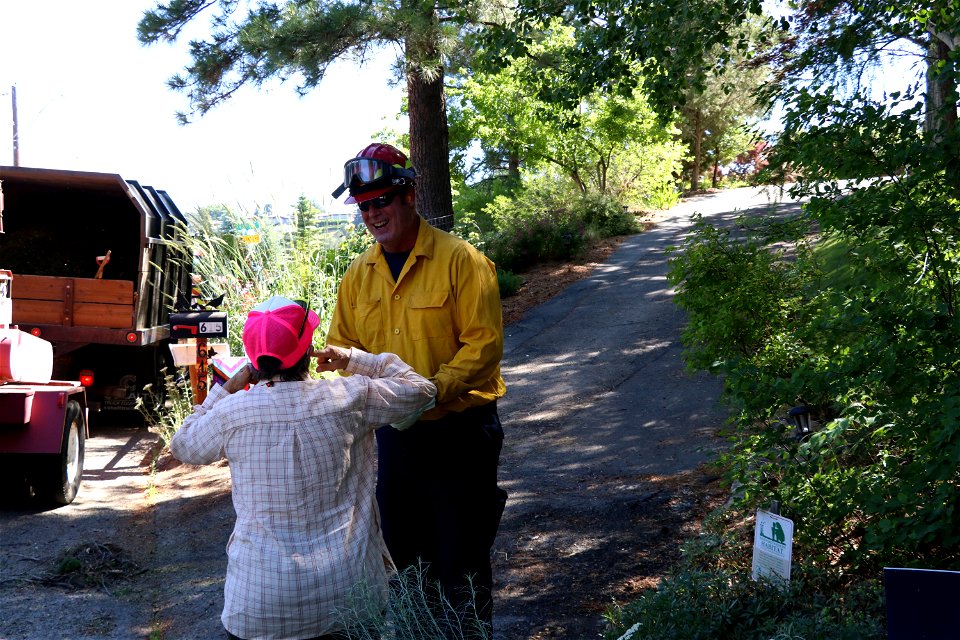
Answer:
(717, 114)
(602, 145)
(670, 40)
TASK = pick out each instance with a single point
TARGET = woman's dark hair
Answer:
(268, 367)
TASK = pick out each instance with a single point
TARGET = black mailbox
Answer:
(198, 324)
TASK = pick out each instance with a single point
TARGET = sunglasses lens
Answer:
(376, 203)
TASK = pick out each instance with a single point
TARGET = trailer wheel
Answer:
(65, 470)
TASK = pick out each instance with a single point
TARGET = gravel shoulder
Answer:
(606, 440)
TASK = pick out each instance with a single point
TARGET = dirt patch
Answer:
(93, 565)
(558, 572)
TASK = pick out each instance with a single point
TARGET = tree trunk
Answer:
(941, 110)
(697, 153)
(429, 138)
(716, 168)
(513, 168)
(575, 176)
(941, 116)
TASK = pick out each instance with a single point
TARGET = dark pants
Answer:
(440, 505)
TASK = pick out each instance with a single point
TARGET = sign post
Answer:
(199, 326)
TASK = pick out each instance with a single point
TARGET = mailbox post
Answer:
(199, 325)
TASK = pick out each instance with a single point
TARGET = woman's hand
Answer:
(241, 379)
(331, 358)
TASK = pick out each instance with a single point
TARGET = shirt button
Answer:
(396, 296)
(396, 331)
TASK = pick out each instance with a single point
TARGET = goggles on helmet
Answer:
(360, 174)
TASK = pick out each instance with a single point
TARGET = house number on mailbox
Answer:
(211, 327)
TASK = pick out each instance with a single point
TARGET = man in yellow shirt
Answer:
(432, 299)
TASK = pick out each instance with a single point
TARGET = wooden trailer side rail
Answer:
(73, 302)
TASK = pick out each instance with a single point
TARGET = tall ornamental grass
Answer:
(244, 274)
(415, 609)
(279, 264)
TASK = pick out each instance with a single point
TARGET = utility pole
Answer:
(16, 136)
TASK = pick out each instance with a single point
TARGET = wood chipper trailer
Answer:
(43, 424)
(98, 264)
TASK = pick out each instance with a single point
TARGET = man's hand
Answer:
(331, 358)
(241, 379)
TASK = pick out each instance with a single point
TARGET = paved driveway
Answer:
(599, 404)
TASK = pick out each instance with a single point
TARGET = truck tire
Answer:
(63, 473)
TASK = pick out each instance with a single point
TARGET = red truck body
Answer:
(40, 407)
(43, 422)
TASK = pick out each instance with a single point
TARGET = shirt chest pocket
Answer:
(429, 315)
(370, 324)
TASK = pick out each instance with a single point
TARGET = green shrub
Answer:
(740, 296)
(470, 202)
(663, 196)
(706, 604)
(861, 328)
(605, 215)
(509, 282)
(528, 241)
(466, 227)
(540, 224)
(862, 331)
(542, 220)
(710, 594)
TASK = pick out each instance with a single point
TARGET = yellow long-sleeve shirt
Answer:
(442, 316)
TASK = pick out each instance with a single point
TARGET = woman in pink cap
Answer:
(301, 454)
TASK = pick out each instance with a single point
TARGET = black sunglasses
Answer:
(377, 203)
(306, 314)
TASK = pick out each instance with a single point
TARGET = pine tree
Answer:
(252, 42)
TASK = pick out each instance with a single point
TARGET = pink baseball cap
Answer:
(281, 328)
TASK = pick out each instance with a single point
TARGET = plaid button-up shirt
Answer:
(301, 458)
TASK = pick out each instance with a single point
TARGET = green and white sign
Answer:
(772, 547)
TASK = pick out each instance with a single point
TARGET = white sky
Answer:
(91, 98)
